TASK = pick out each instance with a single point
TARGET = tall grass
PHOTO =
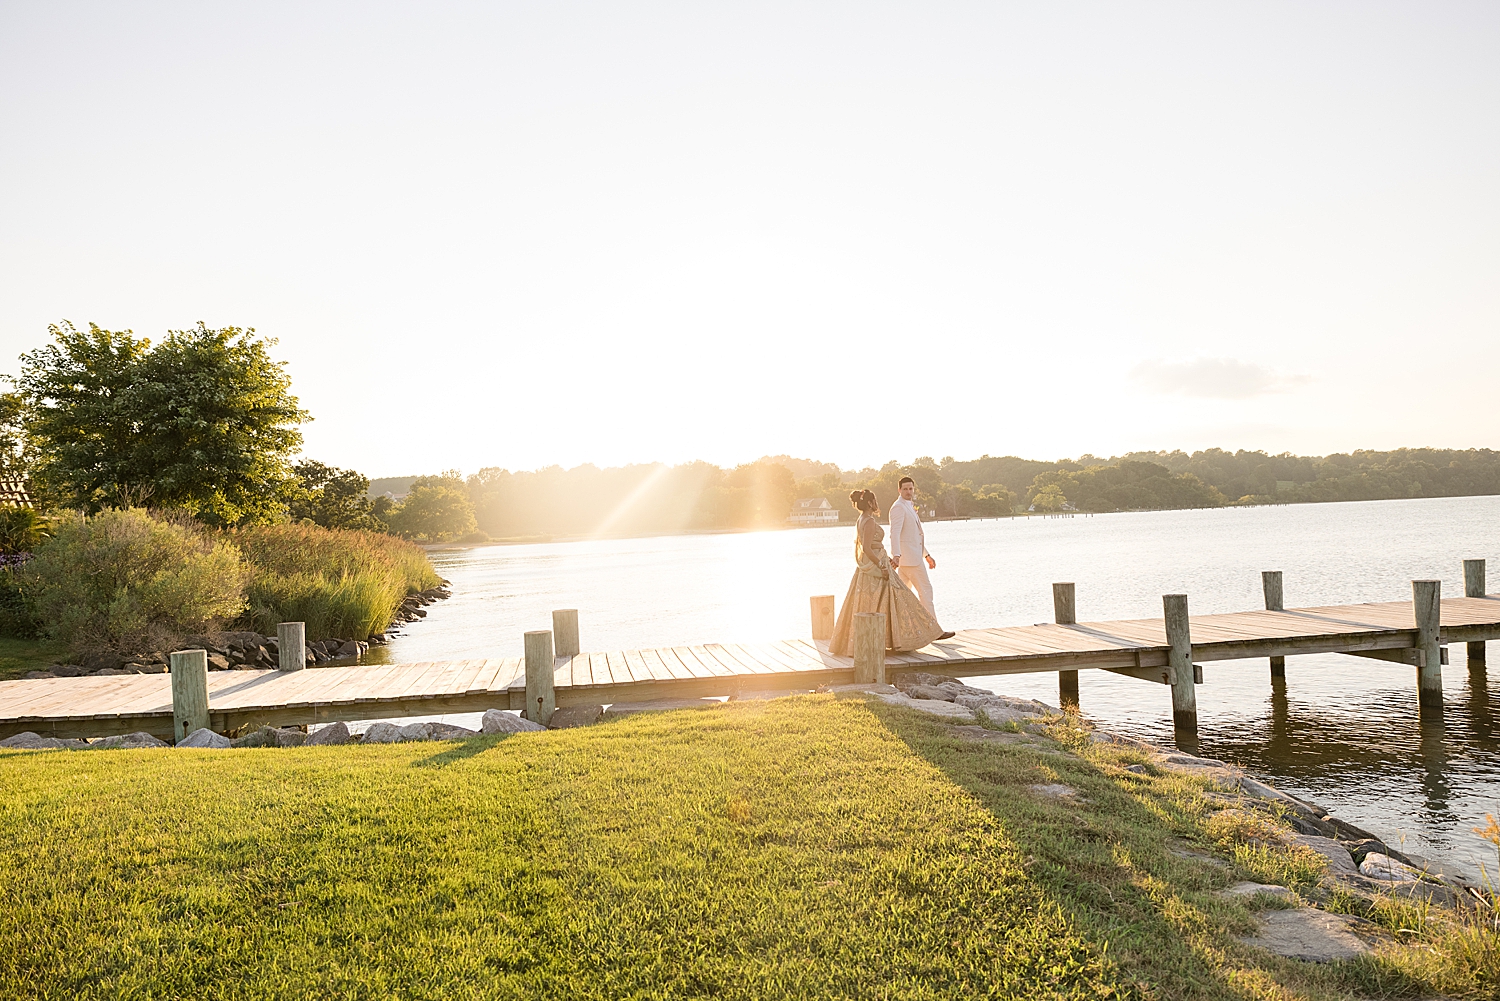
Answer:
(343, 584)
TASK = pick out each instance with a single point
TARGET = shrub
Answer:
(21, 530)
(130, 580)
(342, 584)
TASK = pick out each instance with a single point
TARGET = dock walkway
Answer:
(92, 706)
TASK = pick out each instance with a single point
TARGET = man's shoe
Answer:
(947, 636)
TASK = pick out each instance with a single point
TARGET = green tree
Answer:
(334, 498)
(436, 510)
(204, 421)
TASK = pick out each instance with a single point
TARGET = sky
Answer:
(516, 235)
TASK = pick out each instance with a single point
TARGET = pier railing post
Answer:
(565, 632)
(1270, 583)
(541, 696)
(189, 692)
(1180, 662)
(869, 648)
(291, 646)
(822, 617)
(1474, 588)
(1426, 600)
(1065, 613)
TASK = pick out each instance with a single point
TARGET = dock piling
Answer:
(291, 646)
(1180, 662)
(541, 696)
(189, 691)
(1270, 583)
(1474, 588)
(822, 617)
(565, 632)
(869, 648)
(1065, 613)
(1426, 600)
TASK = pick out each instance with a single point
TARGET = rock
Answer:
(129, 741)
(929, 706)
(1309, 934)
(383, 733)
(327, 736)
(1054, 790)
(1381, 866)
(959, 688)
(932, 692)
(351, 648)
(906, 679)
(31, 741)
(218, 662)
(1359, 849)
(204, 737)
(109, 672)
(1306, 825)
(38, 675)
(270, 736)
(575, 716)
(155, 667)
(499, 721)
(1138, 769)
(1339, 859)
(1347, 831)
(1255, 890)
(1189, 761)
(447, 731)
(416, 731)
(66, 670)
(379, 639)
(659, 705)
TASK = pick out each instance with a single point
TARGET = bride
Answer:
(877, 588)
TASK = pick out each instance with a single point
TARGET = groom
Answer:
(909, 547)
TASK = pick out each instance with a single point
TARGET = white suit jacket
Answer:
(908, 542)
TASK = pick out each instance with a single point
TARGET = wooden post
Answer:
(565, 632)
(1474, 588)
(1270, 583)
(822, 617)
(1180, 662)
(189, 692)
(869, 648)
(291, 646)
(541, 696)
(1426, 600)
(1064, 613)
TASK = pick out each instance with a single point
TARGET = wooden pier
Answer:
(1170, 650)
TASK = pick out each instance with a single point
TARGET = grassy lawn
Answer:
(800, 848)
(19, 656)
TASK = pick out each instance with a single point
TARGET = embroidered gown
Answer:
(877, 588)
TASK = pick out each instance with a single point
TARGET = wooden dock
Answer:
(1141, 648)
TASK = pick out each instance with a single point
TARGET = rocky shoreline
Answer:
(247, 651)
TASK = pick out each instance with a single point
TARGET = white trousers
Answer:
(915, 575)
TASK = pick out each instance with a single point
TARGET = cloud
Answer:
(1213, 378)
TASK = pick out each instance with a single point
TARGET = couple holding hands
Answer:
(895, 585)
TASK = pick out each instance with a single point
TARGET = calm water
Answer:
(1344, 731)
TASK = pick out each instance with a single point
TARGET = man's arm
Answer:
(898, 516)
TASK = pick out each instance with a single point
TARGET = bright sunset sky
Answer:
(524, 234)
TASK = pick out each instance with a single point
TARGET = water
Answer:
(1343, 731)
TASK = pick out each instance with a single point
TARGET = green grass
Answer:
(19, 656)
(799, 848)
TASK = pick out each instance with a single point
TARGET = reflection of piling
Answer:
(1270, 583)
(1474, 588)
(189, 692)
(822, 617)
(1426, 600)
(869, 648)
(1065, 613)
(541, 696)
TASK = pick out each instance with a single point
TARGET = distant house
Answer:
(813, 511)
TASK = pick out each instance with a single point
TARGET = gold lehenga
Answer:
(876, 587)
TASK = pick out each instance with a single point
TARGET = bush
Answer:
(342, 584)
(21, 530)
(131, 581)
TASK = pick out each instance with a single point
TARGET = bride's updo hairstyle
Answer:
(864, 500)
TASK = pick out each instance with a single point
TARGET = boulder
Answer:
(499, 721)
(270, 736)
(416, 731)
(931, 692)
(1190, 761)
(218, 662)
(351, 648)
(129, 741)
(930, 706)
(575, 716)
(1381, 866)
(959, 688)
(30, 741)
(1347, 831)
(1054, 790)
(38, 675)
(204, 737)
(1256, 890)
(1309, 934)
(108, 672)
(67, 670)
(448, 731)
(326, 736)
(1364, 846)
(383, 733)
(1339, 859)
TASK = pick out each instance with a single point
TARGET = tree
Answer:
(334, 498)
(436, 510)
(204, 421)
